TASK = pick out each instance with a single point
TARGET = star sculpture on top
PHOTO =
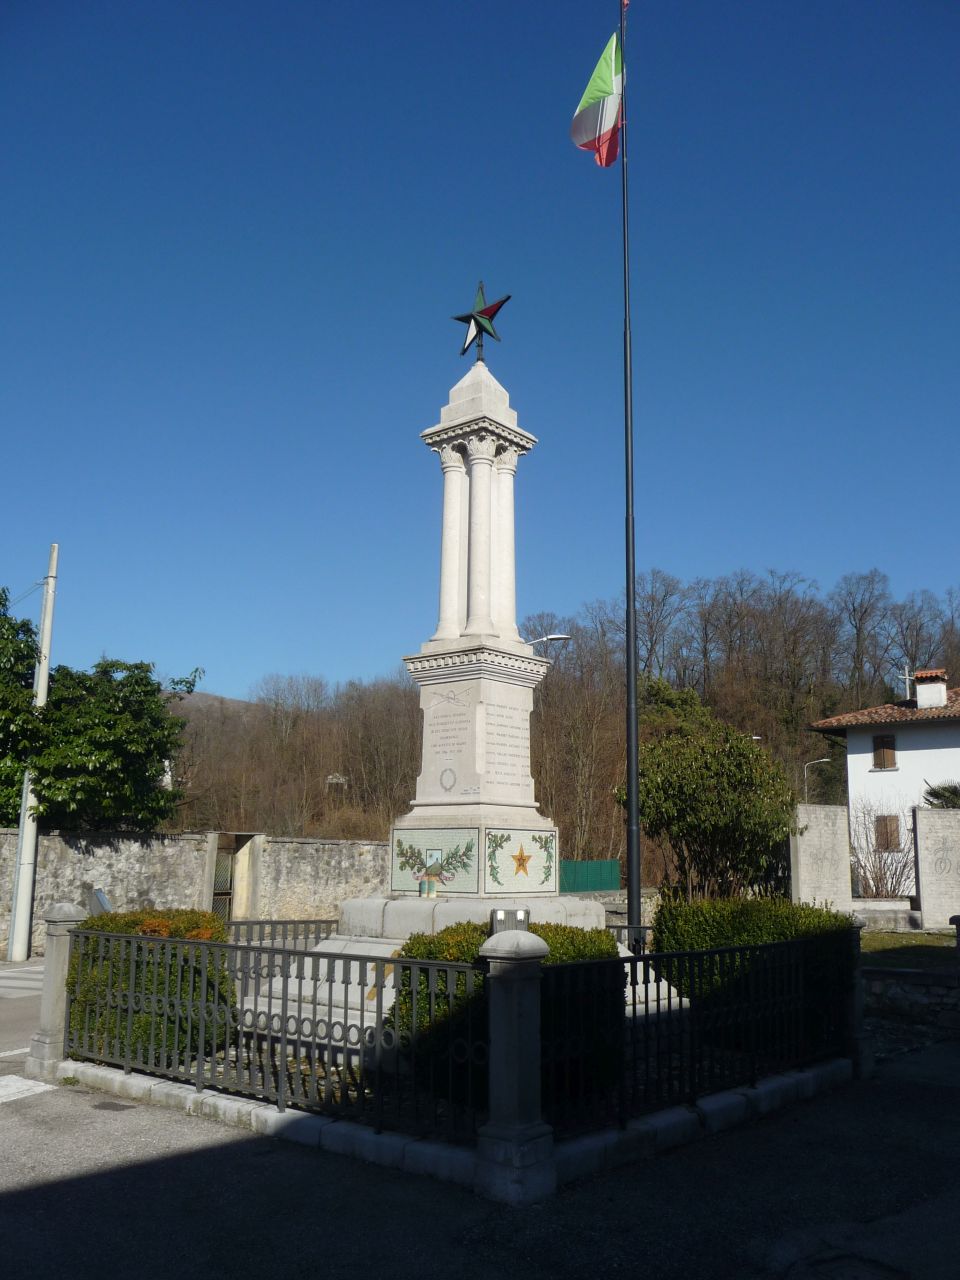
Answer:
(479, 321)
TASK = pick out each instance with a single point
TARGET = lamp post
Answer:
(806, 781)
(545, 639)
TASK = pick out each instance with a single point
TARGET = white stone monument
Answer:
(474, 838)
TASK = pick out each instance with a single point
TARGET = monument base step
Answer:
(398, 915)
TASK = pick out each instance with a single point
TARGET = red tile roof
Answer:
(892, 713)
(935, 673)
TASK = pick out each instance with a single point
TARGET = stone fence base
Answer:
(930, 996)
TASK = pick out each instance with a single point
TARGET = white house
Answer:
(894, 752)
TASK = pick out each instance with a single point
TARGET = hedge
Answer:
(588, 1060)
(149, 922)
(160, 1032)
(727, 989)
(728, 922)
(461, 943)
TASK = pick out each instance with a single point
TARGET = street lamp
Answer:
(544, 639)
(806, 781)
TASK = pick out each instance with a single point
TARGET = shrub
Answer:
(569, 944)
(748, 997)
(142, 1000)
(728, 922)
(591, 1053)
(460, 943)
(172, 922)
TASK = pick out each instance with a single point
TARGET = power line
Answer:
(29, 592)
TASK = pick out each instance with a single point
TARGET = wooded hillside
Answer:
(768, 654)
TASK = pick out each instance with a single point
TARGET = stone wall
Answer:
(915, 995)
(301, 879)
(274, 878)
(820, 868)
(820, 857)
(133, 871)
(938, 865)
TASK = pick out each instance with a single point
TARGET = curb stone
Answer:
(576, 1158)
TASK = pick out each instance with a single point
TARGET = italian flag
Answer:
(596, 122)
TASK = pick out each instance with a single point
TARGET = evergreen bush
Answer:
(165, 986)
(727, 922)
(591, 1045)
(748, 996)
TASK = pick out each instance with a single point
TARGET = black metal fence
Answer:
(392, 1043)
(297, 935)
(404, 1044)
(636, 937)
(625, 1037)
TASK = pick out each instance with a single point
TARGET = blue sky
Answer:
(234, 233)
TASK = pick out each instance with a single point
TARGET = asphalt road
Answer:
(858, 1185)
(19, 1011)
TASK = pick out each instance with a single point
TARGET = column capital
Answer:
(451, 459)
(481, 448)
(508, 459)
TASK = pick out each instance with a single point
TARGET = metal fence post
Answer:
(47, 1045)
(859, 1045)
(515, 1148)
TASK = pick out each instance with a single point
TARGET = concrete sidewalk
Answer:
(857, 1185)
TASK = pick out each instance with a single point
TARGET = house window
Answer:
(886, 834)
(884, 751)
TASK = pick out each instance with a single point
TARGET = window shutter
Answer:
(886, 833)
(884, 751)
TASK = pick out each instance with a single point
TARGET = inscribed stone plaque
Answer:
(449, 745)
(507, 748)
(520, 861)
(447, 855)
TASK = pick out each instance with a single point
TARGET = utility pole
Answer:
(21, 909)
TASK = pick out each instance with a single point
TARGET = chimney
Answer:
(931, 688)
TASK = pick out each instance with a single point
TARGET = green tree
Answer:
(99, 751)
(724, 805)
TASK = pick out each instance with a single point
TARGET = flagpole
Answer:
(633, 797)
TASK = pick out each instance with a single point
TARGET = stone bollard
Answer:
(515, 1148)
(46, 1047)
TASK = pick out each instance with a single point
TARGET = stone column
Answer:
(46, 1047)
(515, 1148)
(481, 450)
(505, 566)
(448, 623)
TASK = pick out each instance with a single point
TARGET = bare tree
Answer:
(881, 852)
(916, 628)
(862, 600)
(660, 602)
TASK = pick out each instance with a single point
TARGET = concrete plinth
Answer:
(399, 916)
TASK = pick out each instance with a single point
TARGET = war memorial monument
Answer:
(474, 839)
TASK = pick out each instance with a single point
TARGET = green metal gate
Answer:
(594, 875)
